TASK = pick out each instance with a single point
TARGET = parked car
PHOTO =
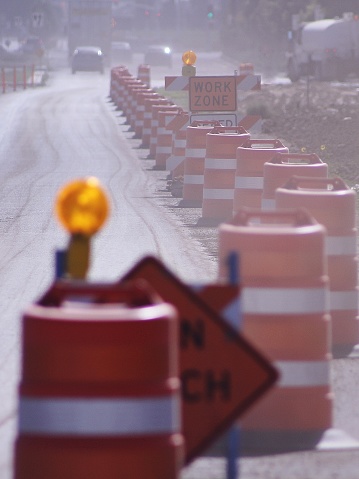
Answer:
(121, 52)
(87, 58)
(158, 55)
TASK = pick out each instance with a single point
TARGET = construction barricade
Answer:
(17, 76)
(219, 173)
(333, 204)
(95, 401)
(284, 165)
(251, 157)
(284, 313)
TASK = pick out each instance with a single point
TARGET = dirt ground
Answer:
(313, 117)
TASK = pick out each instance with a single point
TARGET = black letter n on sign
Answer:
(192, 333)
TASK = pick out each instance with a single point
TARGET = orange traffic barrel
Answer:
(246, 69)
(115, 73)
(285, 313)
(147, 118)
(129, 104)
(333, 204)
(99, 393)
(119, 89)
(251, 157)
(284, 165)
(178, 125)
(144, 74)
(195, 153)
(155, 125)
(127, 85)
(140, 111)
(125, 82)
(164, 137)
(219, 173)
(134, 104)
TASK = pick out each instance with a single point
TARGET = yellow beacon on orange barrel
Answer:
(82, 207)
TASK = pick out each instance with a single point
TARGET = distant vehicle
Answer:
(89, 23)
(121, 52)
(87, 59)
(327, 49)
(33, 46)
(158, 55)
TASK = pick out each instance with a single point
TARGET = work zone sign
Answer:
(218, 93)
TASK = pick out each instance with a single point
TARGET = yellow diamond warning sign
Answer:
(217, 93)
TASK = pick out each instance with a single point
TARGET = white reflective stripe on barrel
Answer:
(163, 131)
(220, 163)
(218, 194)
(195, 152)
(268, 204)
(344, 300)
(340, 245)
(193, 179)
(107, 417)
(285, 300)
(255, 182)
(179, 143)
(303, 373)
(164, 149)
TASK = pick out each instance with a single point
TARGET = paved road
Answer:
(67, 130)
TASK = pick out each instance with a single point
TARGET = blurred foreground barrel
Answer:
(99, 392)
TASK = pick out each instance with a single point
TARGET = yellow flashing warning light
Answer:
(189, 57)
(82, 206)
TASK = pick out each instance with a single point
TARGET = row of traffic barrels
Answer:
(294, 229)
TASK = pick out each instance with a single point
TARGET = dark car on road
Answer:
(158, 55)
(87, 59)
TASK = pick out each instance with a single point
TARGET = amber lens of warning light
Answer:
(189, 57)
(82, 206)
